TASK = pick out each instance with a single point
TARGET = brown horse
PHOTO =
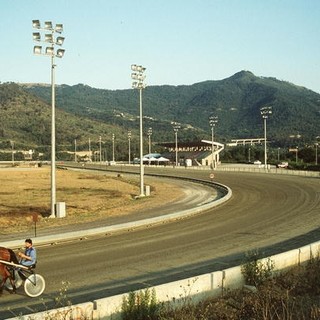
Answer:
(7, 255)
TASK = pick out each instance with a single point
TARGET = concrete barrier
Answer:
(232, 278)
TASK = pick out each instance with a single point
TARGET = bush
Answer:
(140, 306)
(255, 271)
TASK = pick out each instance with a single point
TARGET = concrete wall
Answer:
(203, 286)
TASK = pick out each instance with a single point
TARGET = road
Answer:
(268, 212)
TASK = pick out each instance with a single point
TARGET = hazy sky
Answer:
(178, 41)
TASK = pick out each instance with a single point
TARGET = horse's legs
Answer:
(11, 278)
(5, 275)
(14, 289)
(2, 283)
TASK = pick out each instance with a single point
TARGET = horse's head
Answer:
(8, 255)
(4, 254)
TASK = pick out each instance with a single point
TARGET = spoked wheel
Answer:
(34, 285)
(17, 281)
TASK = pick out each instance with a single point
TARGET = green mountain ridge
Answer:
(83, 112)
(26, 120)
(235, 100)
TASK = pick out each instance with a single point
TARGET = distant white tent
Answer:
(162, 159)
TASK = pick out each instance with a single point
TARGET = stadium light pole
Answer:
(265, 112)
(113, 147)
(316, 144)
(129, 146)
(138, 78)
(149, 133)
(176, 127)
(75, 150)
(12, 154)
(53, 40)
(213, 120)
(100, 149)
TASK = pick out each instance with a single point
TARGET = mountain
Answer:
(26, 120)
(235, 100)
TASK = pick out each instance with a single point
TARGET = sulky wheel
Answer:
(34, 285)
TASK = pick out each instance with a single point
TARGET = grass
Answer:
(88, 196)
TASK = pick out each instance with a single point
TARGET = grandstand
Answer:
(197, 153)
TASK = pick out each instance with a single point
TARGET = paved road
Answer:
(269, 212)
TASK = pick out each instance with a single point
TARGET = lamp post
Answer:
(113, 147)
(138, 76)
(129, 143)
(75, 150)
(316, 145)
(100, 149)
(149, 133)
(50, 51)
(265, 111)
(12, 149)
(176, 127)
(213, 120)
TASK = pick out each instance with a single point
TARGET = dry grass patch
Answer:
(88, 196)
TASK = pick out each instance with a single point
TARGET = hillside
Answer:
(26, 120)
(236, 101)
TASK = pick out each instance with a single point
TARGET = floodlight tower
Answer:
(113, 137)
(213, 120)
(53, 40)
(129, 146)
(100, 151)
(176, 126)
(12, 152)
(138, 76)
(149, 133)
(265, 112)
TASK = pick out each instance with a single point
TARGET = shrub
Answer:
(140, 306)
(254, 270)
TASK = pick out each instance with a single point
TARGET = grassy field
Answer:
(88, 196)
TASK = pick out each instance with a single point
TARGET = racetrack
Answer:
(268, 212)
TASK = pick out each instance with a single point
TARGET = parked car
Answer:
(283, 165)
(258, 162)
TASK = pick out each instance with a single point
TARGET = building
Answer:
(197, 153)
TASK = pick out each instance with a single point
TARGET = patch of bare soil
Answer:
(25, 192)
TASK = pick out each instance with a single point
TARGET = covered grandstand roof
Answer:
(184, 144)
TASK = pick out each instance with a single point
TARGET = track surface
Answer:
(269, 212)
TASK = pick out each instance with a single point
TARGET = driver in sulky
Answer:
(29, 257)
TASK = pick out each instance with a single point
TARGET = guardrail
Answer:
(224, 167)
(300, 173)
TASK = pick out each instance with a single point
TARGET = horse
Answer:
(7, 255)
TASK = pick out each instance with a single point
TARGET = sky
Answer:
(180, 42)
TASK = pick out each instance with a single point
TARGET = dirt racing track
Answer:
(268, 212)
